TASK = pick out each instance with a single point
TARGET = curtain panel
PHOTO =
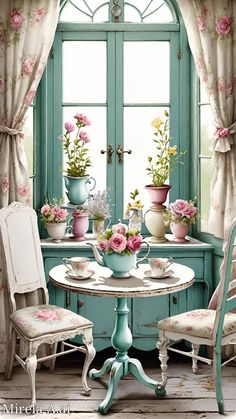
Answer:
(210, 26)
(27, 29)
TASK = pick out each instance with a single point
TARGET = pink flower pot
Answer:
(80, 224)
(158, 194)
(179, 230)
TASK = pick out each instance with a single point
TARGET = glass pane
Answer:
(206, 176)
(206, 129)
(139, 138)
(85, 82)
(146, 72)
(85, 11)
(29, 139)
(150, 11)
(97, 134)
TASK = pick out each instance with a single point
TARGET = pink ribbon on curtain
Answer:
(11, 131)
(223, 138)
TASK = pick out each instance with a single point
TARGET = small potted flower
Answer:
(55, 219)
(134, 211)
(77, 161)
(99, 211)
(166, 158)
(119, 247)
(179, 216)
(79, 223)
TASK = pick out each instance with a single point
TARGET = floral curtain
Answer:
(211, 33)
(27, 29)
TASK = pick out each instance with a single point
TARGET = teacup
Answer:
(76, 265)
(160, 266)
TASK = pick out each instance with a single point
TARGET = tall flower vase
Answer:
(153, 217)
(78, 188)
(56, 231)
(179, 231)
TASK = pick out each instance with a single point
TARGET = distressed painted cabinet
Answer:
(144, 312)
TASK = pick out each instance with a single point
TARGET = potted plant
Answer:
(55, 219)
(134, 211)
(179, 215)
(119, 246)
(166, 158)
(99, 211)
(76, 177)
(79, 223)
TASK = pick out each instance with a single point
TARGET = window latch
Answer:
(120, 151)
(109, 152)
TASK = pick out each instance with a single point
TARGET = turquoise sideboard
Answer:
(144, 312)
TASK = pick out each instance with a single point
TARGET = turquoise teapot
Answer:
(119, 264)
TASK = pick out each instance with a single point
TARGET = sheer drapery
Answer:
(27, 30)
(211, 33)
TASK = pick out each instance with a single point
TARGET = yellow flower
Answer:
(157, 122)
(172, 151)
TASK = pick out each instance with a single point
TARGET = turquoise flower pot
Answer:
(78, 188)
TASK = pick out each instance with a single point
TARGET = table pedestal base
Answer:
(121, 365)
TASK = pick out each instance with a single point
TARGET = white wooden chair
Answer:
(36, 324)
(213, 328)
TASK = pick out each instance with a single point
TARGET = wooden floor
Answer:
(188, 396)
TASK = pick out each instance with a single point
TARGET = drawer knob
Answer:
(175, 299)
(80, 303)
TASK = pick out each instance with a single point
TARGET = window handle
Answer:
(120, 151)
(109, 152)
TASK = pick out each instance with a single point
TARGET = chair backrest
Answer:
(21, 251)
(226, 299)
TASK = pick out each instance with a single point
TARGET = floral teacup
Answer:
(76, 265)
(160, 266)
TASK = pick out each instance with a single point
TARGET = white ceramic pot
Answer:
(56, 231)
(154, 222)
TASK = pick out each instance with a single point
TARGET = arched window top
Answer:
(130, 11)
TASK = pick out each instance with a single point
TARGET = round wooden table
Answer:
(102, 284)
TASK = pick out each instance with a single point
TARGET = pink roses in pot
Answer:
(181, 211)
(120, 239)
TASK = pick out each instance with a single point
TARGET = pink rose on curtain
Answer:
(23, 190)
(16, 19)
(28, 66)
(201, 23)
(223, 25)
(2, 39)
(29, 97)
(5, 183)
(39, 14)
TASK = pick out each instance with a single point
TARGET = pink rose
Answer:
(59, 213)
(39, 13)
(45, 209)
(222, 132)
(201, 23)
(223, 25)
(103, 245)
(134, 243)
(28, 66)
(29, 97)
(179, 205)
(84, 137)
(46, 314)
(5, 183)
(23, 190)
(16, 19)
(82, 119)
(119, 228)
(117, 242)
(2, 39)
(189, 212)
(69, 126)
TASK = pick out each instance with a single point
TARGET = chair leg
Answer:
(163, 357)
(90, 354)
(31, 365)
(217, 377)
(195, 350)
(11, 354)
(53, 360)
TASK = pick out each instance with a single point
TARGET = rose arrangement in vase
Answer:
(55, 219)
(119, 246)
(77, 160)
(166, 158)
(179, 215)
(99, 211)
(134, 211)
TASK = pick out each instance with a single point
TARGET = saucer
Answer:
(166, 274)
(86, 275)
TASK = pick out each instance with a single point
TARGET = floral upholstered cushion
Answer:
(197, 323)
(39, 320)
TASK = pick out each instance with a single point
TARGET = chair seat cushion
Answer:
(44, 319)
(197, 323)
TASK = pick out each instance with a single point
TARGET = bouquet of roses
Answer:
(181, 211)
(120, 239)
(52, 212)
